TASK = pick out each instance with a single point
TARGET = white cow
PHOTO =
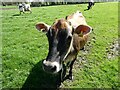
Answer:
(24, 7)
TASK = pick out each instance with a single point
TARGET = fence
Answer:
(49, 2)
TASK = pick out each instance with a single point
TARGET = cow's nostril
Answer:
(53, 68)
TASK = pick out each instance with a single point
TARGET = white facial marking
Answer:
(44, 61)
(48, 63)
(58, 66)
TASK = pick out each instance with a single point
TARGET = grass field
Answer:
(23, 48)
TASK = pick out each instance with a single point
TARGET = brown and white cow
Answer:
(65, 37)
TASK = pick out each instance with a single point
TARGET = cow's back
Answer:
(76, 19)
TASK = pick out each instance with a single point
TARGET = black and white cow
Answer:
(24, 7)
(90, 4)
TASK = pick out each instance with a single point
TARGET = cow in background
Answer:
(65, 37)
(90, 4)
(24, 7)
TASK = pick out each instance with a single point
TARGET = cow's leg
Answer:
(30, 11)
(69, 76)
(23, 11)
(63, 73)
(61, 76)
(59, 79)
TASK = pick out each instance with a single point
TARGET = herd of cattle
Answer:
(66, 38)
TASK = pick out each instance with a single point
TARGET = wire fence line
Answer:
(49, 2)
(57, 0)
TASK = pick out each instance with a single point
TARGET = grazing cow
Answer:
(24, 7)
(90, 4)
(66, 37)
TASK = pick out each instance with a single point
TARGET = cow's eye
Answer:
(69, 37)
(49, 33)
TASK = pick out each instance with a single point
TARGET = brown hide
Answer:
(79, 38)
(59, 24)
(79, 42)
(76, 19)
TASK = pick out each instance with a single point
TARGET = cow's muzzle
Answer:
(51, 67)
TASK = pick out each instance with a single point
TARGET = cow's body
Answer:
(90, 4)
(66, 37)
(24, 7)
(76, 19)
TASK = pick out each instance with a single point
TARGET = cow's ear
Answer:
(42, 26)
(83, 29)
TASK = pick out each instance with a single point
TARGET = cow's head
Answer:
(20, 5)
(60, 39)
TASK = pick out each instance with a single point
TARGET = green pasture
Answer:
(24, 48)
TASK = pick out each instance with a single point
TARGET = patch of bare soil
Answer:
(82, 57)
(112, 50)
